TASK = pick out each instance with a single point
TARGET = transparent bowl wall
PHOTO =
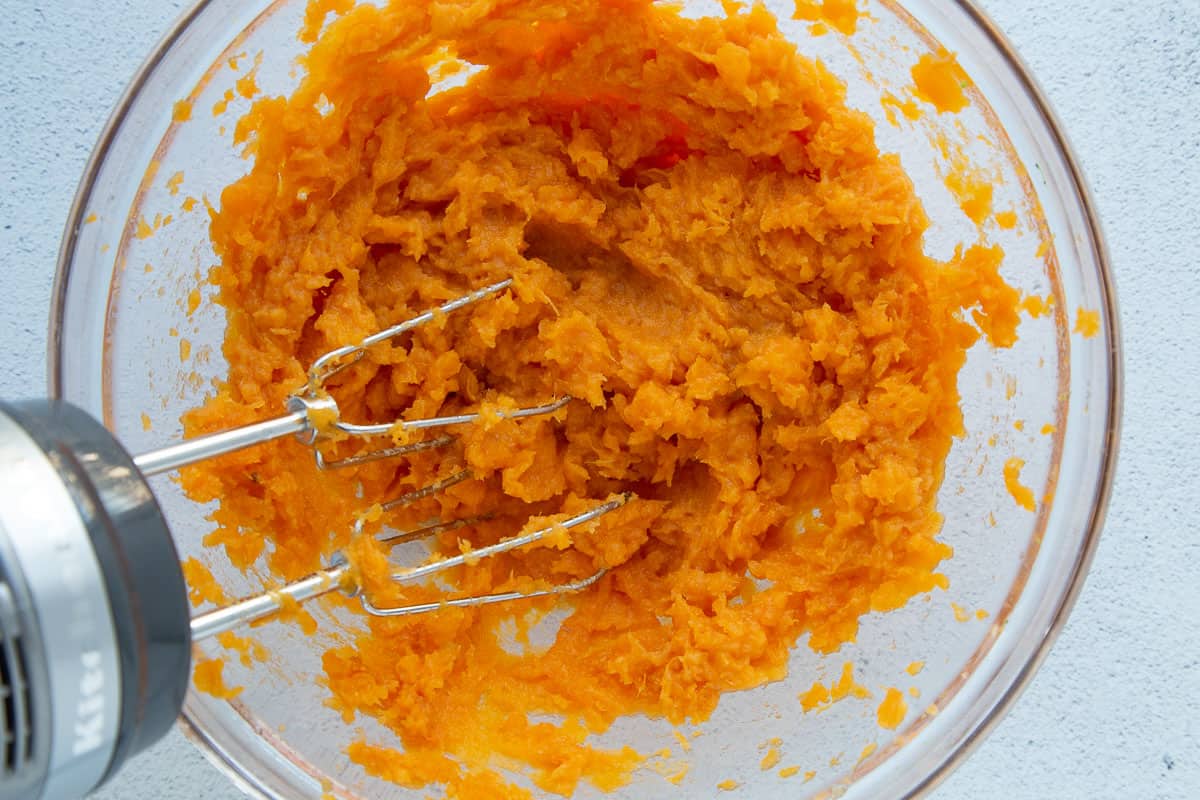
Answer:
(119, 298)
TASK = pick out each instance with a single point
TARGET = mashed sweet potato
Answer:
(709, 254)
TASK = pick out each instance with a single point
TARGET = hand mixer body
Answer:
(94, 624)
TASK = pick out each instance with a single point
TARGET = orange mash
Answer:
(709, 254)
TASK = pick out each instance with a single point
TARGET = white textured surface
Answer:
(1114, 711)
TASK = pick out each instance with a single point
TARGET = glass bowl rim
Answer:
(218, 754)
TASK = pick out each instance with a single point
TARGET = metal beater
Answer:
(95, 630)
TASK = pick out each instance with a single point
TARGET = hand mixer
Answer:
(95, 633)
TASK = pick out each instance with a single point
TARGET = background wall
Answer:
(1114, 712)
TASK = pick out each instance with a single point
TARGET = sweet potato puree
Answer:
(709, 254)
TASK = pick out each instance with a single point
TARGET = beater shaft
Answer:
(218, 444)
(213, 623)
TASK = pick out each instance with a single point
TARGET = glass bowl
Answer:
(133, 252)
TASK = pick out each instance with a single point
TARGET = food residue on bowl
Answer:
(222, 105)
(772, 755)
(1036, 306)
(940, 81)
(841, 15)
(907, 107)
(1023, 495)
(249, 650)
(1006, 220)
(1087, 323)
(208, 676)
(202, 586)
(819, 696)
(709, 254)
(974, 193)
(893, 709)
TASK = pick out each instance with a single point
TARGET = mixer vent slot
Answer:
(16, 726)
